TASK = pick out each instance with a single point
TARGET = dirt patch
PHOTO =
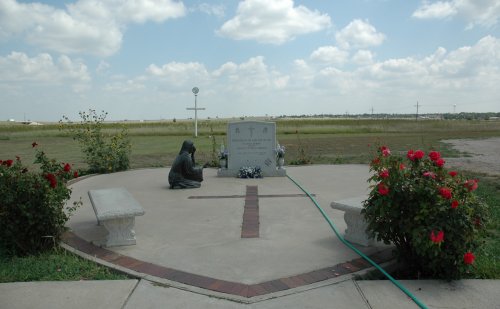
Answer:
(483, 155)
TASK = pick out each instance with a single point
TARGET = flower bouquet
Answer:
(249, 172)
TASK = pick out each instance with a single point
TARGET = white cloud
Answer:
(435, 10)
(273, 22)
(331, 55)
(86, 26)
(363, 57)
(250, 75)
(466, 76)
(102, 67)
(485, 12)
(125, 86)
(18, 67)
(217, 10)
(179, 73)
(359, 34)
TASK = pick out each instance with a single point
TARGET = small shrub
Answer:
(32, 204)
(430, 214)
(302, 157)
(103, 154)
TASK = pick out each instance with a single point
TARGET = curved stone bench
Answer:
(356, 225)
(116, 209)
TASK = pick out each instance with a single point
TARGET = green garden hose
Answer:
(348, 244)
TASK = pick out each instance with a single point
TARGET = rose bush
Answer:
(432, 216)
(32, 204)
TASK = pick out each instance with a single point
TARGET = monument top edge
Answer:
(251, 121)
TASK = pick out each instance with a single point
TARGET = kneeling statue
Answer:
(184, 174)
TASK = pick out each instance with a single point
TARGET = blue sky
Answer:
(140, 59)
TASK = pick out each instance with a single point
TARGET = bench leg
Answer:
(356, 229)
(120, 231)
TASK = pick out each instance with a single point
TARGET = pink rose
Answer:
(384, 173)
(471, 184)
(385, 151)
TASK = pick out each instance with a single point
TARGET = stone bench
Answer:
(356, 225)
(116, 209)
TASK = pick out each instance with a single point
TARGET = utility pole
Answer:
(416, 115)
(196, 109)
(372, 111)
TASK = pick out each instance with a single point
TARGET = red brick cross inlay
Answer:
(250, 226)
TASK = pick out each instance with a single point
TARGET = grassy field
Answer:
(332, 141)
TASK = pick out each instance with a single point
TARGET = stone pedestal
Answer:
(120, 231)
(355, 221)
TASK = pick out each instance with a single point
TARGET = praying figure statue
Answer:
(184, 174)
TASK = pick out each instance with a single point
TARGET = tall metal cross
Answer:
(196, 109)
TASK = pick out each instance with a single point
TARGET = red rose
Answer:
(52, 179)
(452, 173)
(385, 151)
(383, 189)
(75, 174)
(434, 155)
(445, 193)
(454, 204)
(384, 173)
(8, 163)
(469, 258)
(419, 154)
(437, 238)
(67, 167)
(34, 144)
(430, 174)
(401, 166)
(439, 162)
(375, 161)
(410, 154)
(471, 184)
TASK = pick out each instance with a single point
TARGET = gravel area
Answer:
(484, 155)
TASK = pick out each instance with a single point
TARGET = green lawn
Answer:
(55, 265)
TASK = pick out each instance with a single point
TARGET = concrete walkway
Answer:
(144, 294)
(235, 243)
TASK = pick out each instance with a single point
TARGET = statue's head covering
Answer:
(187, 146)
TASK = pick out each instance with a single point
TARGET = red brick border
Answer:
(223, 286)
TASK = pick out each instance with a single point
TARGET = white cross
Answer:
(196, 109)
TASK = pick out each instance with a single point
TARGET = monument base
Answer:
(225, 172)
